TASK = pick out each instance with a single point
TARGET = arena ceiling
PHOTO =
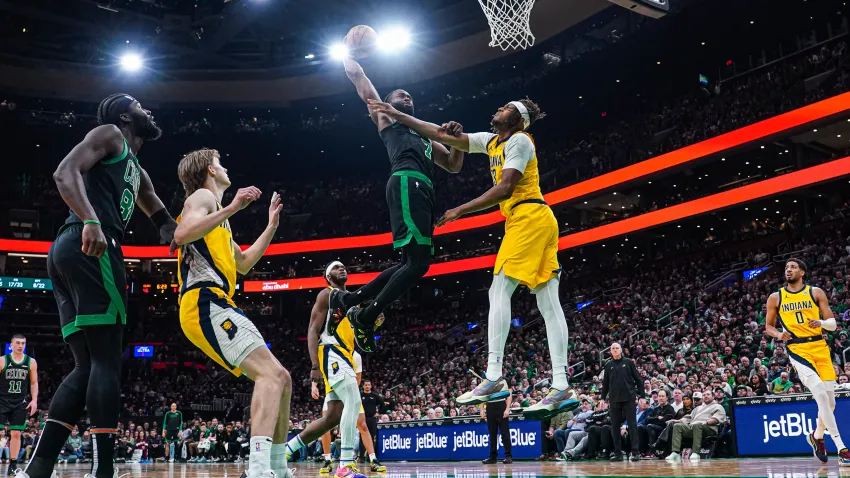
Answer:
(215, 34)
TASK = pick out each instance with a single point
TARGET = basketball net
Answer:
(509, 22)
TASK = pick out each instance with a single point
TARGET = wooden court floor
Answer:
(770, 467)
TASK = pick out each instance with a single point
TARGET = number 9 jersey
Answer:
(807, 349)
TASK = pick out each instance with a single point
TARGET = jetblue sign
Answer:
(779, 424)
(143, 351)
(458, 441)
(753, 273)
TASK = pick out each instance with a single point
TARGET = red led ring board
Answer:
(762, 129)
(715, 202)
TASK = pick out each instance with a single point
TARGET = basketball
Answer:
(361, 41)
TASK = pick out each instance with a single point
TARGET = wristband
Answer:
(91, 221)
(314, 368)
(161, 218)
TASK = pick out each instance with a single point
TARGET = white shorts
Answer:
(325, 405)
(335, 368)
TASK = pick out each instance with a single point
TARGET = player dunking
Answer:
(102, 181)
(410, 197)
(18, 378)
(207, 263)
(529, 251)
(332, 356)
(799, 308)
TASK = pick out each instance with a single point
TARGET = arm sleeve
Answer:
(165, 420)
(518, 152)
(180, 414)
(478, 142)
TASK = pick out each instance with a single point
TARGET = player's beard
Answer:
(150, 131)
(408, 110)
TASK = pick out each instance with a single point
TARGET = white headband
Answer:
(331, 266)
(526, 120)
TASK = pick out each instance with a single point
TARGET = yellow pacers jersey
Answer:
(528, 187)
(341, 342)
(208, 262)
(807, 349)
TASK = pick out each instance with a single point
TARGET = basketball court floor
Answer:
(766, 467)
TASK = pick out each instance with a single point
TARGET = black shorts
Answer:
(172, 436)
(89, 291)
(15, 417)
(410, 197)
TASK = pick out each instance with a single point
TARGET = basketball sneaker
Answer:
(364, 334)
(556, 401)
(377, 467)
(19, 473)
(818, 447)
(349, 471)
(327, 467)
(486, 391)
(844, 457)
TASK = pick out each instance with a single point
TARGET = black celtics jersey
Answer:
(112, 186)
(408, 151)
(14, 383)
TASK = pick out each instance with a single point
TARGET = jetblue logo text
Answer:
(455, 442)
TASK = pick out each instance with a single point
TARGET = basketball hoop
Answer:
(509, 22)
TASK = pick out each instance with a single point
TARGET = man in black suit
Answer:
(620, 385)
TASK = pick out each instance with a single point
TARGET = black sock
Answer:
(13, 464)
(416, 261)
(371, 289)
(104, 394)
(66, 408)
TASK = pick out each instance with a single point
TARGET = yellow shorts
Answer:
(529, 251)
(215, 325)
(812, 357)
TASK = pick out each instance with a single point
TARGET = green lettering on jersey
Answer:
(428, 147)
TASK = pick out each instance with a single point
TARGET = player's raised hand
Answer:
(244, 197)
(450, 216)
(381, 107)
(452, 128)
(274, 210)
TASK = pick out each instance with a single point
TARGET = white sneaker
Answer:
(694, 457)
(674, 457)
(89, 475)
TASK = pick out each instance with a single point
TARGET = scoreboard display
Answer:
(25, 283)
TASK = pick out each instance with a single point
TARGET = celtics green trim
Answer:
(412, 230)
(116, 304)
(68, 329)
(121, 156)
(414, 174)
(17, 427)
(24, 361)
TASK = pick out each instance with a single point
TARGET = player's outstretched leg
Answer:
(317, 428)
(561, 397)
(349, 393)
(494, 386)
(270, 382)
(66, 408)
(824, 395)
(366, 438)
(281, 430)
(326, 454)
(416, 259)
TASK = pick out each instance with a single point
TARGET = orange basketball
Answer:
(361, 41)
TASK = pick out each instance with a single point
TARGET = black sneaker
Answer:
(508, 460)
(616, 456)
(377, 467)
(489, 461)
(364, 335)
(634, 457)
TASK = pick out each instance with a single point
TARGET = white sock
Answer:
(372, 457)
(260, 456)
(499, 322)
(327, 457)
(278, 458)
(557, 332)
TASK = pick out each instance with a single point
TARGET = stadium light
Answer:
(339, 52)
(131, 62)
(394, 39)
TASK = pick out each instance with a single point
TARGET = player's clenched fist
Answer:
(244, 197)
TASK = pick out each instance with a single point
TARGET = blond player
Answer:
(528, 254)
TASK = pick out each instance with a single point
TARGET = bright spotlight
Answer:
(131, 62)
(394, 39)
(339, 52)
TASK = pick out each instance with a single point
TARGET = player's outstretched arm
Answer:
(32, 407)
(246, 259)
(423, 128)
(770, 319)
(317, 320)
(153, 207)
(451, 161)
(366, 90)
(200, 215)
